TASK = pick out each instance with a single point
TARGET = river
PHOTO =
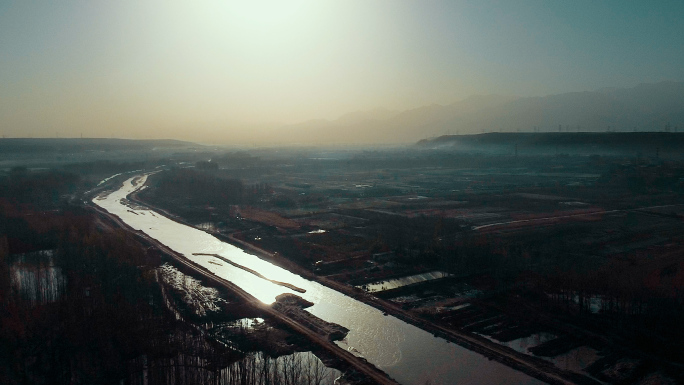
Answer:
(408, 354)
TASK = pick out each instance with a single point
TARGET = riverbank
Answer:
(535, 367)
(332, 354)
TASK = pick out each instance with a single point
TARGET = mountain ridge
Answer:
(645, 107)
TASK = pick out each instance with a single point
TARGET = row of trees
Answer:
(41, 190)
(104, 318)
(197, 188)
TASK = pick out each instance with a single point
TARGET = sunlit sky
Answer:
(146, 69)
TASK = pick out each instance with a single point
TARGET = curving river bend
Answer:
(408, 354)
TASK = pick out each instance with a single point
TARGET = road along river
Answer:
(406, 353)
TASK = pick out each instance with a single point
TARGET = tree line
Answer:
(105, 320)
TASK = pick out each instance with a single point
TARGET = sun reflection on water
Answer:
(389, 343)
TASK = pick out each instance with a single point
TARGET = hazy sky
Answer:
(170, 68)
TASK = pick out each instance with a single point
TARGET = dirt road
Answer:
(503, 225)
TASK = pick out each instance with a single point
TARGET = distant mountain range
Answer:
(646, 107)
(629, 144)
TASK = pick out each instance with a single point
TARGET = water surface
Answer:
(408, 354)
(403, 281)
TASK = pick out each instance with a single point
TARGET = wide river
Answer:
(408, 354)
